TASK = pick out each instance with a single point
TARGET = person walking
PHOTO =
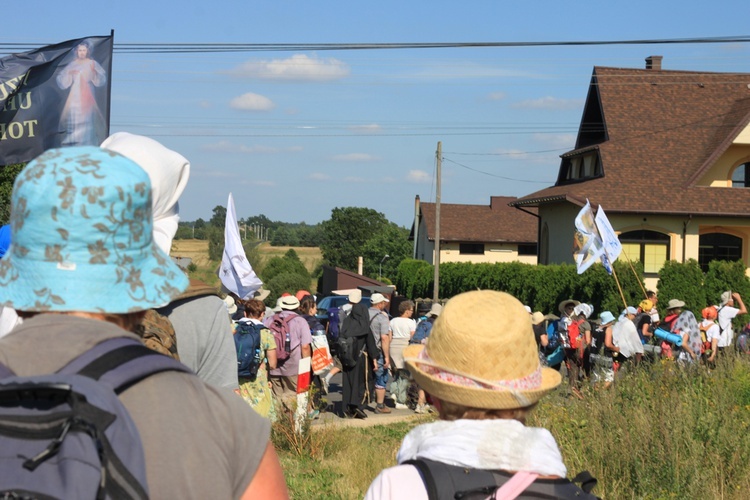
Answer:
(403, 328)
(483, 407)
(82, 271)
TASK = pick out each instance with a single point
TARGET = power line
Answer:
(191, 48)
(493, 175)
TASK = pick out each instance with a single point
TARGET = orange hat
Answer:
(709, 312)
(301, 293)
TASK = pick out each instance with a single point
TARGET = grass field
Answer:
(197, 251)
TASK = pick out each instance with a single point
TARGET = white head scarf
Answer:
(169, 172)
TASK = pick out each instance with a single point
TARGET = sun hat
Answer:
(674, 304)
(646, 305)
(277, 308)
(709, 312)
(169, 172)
(82, 237)
(435, 310)
(629, 310)
(726, 297)
(377, 298)
(289, 303)
(231, 305)
(537, 317)
(586, 309)
(355, 297)
(564, 303)
(261, 294)
(301, 293)
(482, 354)
(606, 317)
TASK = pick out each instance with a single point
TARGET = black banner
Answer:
(54, 96)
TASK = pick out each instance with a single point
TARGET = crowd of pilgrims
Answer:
(598, 348)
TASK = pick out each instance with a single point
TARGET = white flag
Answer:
(587, 244)
(236, 273)
(609, 238)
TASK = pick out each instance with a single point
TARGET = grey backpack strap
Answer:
(121, 362)
(447, 482)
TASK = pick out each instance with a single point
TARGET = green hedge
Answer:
(544, 287)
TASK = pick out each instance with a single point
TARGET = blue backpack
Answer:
(67, 434)
(334, 322)
(247, 343)
(422, 332)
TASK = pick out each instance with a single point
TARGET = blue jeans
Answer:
(381, 374)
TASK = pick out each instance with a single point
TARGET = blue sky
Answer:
(294, 134)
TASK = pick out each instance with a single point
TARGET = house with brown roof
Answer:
(475, 233)
(667, 154)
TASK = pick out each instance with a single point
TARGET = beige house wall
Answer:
(493, 253)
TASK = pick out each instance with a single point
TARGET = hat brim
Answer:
(475, 397)
(561, 306)
(262, 294)
(95, 288)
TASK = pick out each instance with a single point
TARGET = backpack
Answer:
(334, 322)
(553, 337)
(574, 334)
(67, 434)
(444, 482)
(247, 344)
(705, 342)
(279, 327)
(422, 332)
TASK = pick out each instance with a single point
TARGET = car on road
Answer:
(332, 301)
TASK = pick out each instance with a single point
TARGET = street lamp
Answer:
(380, 267)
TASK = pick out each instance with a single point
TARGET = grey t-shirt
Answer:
(204, 339)
(199, 441)
(379, 325)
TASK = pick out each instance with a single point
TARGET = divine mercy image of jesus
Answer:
(82, 121)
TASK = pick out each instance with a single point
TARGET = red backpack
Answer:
(574, 334)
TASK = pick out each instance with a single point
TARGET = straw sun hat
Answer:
(482, 354)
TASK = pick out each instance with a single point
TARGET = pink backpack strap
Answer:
(515, 485)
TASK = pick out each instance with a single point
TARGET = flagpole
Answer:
(619, 287)
(636, 275)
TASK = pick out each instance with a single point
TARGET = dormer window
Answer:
(741, 176)
(579, 166)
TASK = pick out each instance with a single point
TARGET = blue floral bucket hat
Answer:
(82, 237)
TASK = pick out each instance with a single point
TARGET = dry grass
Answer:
(194, 249)
(311, 257)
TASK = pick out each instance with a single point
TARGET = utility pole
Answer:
(436, 285)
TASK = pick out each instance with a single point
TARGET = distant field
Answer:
(197, 250)
(310, 256)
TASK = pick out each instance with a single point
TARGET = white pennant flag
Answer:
(611, 242)
(236, 273)
(587, 244)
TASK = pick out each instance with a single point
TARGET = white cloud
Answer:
(252, 102)
(205, 104)
(549, 103)
(318, 176)
(372, 128)
(355, 157)
(419, 177)
(496, 96)
(299, 67)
